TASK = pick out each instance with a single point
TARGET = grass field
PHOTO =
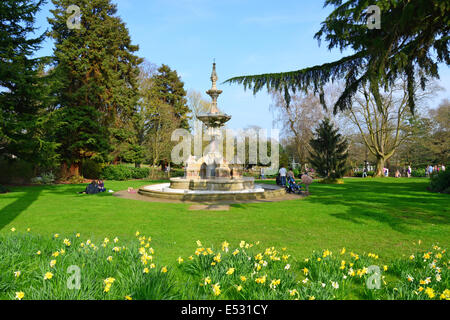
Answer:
(385, 216)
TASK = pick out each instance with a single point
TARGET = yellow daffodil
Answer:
(48, 276)
(216, 289)
(230, 271)
(243, 278)
(274, 283)
(20, 295)
(164, 269)
(217, 258)
(128, 298)
(261, 280)
(445, 295)
(52, 263)
(17, 274)
(13, 229)
(430, 293)
(225, 246)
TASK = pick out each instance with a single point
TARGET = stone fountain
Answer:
(211, 177)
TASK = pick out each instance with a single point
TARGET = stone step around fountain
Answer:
(215, 184)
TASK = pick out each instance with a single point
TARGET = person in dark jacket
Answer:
(91, 188)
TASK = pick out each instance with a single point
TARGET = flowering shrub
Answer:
(33, 267)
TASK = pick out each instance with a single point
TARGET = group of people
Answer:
(429, 170)
(96, 186)
(285, 174)
(436, 169)
(286, 178)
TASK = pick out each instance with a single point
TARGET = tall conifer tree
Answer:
(169, 89)
(329, 151)
(97, 70)
(23, 86)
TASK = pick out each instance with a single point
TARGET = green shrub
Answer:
(419, 173)
(140, 173)
(177, 173)
(3, 189)
(45, 178)
(121, 173)
(48, 178)
(359, 174)
(91, 169)
(440, 182)
(76, 180)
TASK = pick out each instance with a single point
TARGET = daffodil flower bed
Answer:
(36, 267)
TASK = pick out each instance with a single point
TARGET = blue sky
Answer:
(244, 36)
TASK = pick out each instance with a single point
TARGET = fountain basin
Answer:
(258, 192)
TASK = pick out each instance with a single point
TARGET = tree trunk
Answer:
(137, 165)
(380, 167)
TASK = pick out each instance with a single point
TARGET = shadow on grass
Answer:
(400, 204)
(15, 208)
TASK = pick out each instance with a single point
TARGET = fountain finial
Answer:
(214, 92)
(214, 77)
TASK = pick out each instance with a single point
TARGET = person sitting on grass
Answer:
(91, 188)
(101, 186)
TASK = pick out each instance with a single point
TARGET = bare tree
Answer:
(197, 104)
(299, 118)
(382, 123)
(162, 122)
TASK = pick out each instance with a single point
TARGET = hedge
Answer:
(121, 172)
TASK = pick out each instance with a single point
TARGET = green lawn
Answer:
(385, 216)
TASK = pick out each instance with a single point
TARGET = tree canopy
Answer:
(97, 72)
(414, 37)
